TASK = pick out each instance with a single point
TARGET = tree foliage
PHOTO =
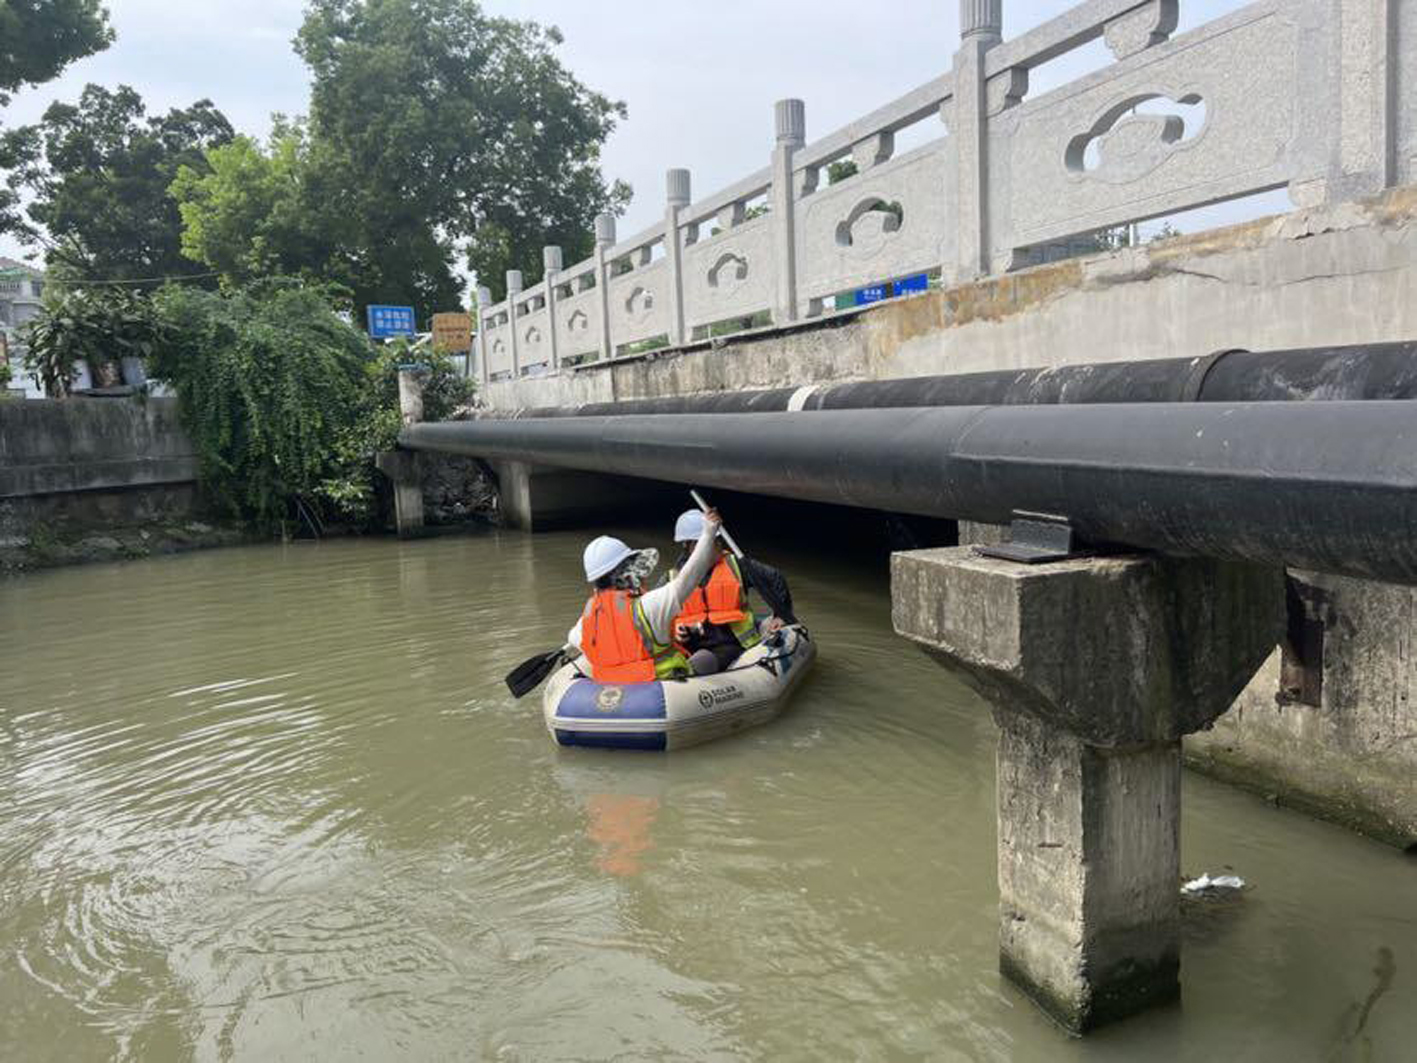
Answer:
(38, 39)
(99, 172)
(253, 212)
(434, 131)
(266, 379)
(286, 402)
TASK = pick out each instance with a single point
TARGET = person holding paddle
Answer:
(626, 633)
(717, 624)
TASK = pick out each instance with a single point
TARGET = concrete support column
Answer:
(411, 394)
(790, 118)
(677, 189)
(402, 467)
(1089, 857)
(514, 289)
(981, 28)
(1094, 669)
(484, 304)
(553, 263)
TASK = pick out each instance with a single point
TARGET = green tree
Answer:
(38, 39)
(98, 173)
(251, 212)
(451, 130)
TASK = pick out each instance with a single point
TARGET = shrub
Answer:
(93, 325)
(268, 379)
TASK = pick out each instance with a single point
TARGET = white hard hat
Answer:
(602, 556)
(689, 526)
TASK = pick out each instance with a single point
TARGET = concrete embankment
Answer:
(89, 479)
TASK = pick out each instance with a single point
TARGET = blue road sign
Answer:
(387, 321)
(875, 293)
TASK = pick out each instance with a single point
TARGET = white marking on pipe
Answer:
(799, 398)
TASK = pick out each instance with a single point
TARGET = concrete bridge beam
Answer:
(1094, 669)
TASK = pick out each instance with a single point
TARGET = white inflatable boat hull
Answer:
(682, 712)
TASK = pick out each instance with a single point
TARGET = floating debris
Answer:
(1208, 884)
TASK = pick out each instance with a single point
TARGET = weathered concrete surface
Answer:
(1353, 756)
(1089, 863)
(1094, 669)
(405, 474)
(55, 447)
(537, 498)
(1116, 650)
(1330, 275)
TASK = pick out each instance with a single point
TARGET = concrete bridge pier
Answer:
(402, 466)
(1094, 669)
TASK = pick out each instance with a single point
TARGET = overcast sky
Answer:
(699, 77)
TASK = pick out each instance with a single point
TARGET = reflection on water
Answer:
(275, 803)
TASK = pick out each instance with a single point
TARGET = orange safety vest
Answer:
(619, 645)
(721, 600)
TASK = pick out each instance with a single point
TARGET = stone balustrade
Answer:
(1315, 96)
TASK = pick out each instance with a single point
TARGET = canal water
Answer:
(274, 803)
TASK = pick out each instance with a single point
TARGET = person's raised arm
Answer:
(662, 605)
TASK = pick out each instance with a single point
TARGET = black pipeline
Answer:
(1328, 486)
(1370, 371)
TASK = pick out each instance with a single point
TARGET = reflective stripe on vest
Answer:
(619, 645)
(721, 600)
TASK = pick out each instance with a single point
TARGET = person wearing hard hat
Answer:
(716, 623)
(626, 633)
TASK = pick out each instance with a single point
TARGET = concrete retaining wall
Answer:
(95, 460)
(50, 446)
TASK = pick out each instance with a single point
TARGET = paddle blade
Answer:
(527, 676)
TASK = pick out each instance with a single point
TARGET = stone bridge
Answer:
(1095, 668)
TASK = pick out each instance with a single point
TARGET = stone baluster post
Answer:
(484, 304)
(514, 289)
(1369, 106)
(553, 262)
(604, 241)
(981, 28)
(790, 118)
(677, 197)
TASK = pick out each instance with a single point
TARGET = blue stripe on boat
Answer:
(612, 740)
(586, 699)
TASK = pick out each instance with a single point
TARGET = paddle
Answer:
(769, 596)
(527, 676)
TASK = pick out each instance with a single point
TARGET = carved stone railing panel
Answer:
(887, 222)
(499, 348)
(730, 275)
(534, 340)
(637, 304)
(578, 325)
(1080, 158)
(1316, 95)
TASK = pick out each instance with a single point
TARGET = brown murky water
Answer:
(274, 803)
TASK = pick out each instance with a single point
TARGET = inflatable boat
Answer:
(673, 714)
